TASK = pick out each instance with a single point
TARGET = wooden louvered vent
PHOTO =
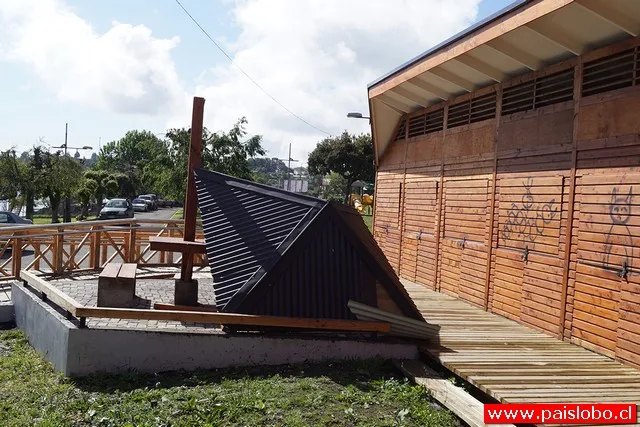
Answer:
(538, 93)
(423, 124)
(472, 111)
(610, 73)
(401, 130)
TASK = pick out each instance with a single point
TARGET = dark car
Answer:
(117, 209)
(8, 219)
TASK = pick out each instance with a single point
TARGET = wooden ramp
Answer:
(515, 364)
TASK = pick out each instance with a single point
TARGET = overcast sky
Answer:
(106, 67)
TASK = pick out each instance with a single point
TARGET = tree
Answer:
(224, 152)
(20, 178)
(99, 184)
(270, 171)
(59, 178)
(135, 155)
(348, 155)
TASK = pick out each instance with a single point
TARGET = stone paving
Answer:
(84, 289)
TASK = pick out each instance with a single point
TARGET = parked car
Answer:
(8, 219)
(140, 205)
(148, 198)
(116, 209)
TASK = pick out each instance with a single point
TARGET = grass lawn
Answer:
(178, 214)
(47, 219)
(368, 220)
(339, 394)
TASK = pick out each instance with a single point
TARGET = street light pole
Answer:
(66, 214)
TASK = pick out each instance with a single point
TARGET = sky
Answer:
(106, 67)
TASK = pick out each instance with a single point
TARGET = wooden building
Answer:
(508, 169)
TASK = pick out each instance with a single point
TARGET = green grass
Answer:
(42, 219)
(368, 220)
(178, 214)
(340, 394)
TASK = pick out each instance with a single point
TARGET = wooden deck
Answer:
(515, 364)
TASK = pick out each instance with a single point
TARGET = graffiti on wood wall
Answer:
(527, 221)
(619, 234)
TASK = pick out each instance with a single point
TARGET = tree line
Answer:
(141, 162)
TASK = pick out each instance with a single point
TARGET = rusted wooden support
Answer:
(191, 199)
(577, 95)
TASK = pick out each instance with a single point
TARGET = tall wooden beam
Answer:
(490, 252)
(191, 199)
(577, 95)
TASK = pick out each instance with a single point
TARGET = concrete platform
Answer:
(6, 305)
(78, 351)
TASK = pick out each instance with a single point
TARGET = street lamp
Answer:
(67, 201)
(357, 116)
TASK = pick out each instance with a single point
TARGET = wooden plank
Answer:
(454, 398)
(232, 319)
(111, 270)
(165, 306)
(54, 294)
(128, 271)
(176, 244)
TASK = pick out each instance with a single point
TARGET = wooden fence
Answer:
(80, 246)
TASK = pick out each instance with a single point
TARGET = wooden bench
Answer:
(117, 285)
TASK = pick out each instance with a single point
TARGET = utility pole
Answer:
(67, 200)
(66, 212)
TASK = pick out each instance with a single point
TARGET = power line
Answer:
(245, 74)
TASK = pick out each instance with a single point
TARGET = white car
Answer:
(140, 205)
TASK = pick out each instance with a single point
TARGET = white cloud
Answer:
(314, 56)
(317, 57)
(124, 70)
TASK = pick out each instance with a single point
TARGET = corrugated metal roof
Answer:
(246, 227)
(279, 253)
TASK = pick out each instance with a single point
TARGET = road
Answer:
(162, 213)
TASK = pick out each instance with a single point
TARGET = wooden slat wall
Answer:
(586, 290)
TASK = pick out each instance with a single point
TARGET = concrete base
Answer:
(78, 352)
(7, 314)
(186, 293)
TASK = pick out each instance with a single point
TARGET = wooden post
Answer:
(97, 250)
(92, 247)
(487, 279)
(577, 95)
(403, 190)
(191, 199)
(170, 254)
(440, 194)
(59, 252)
(16, 253)
(37, 252)
(132, 245)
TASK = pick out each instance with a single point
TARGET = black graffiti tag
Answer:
(619, 234)
(527, 221)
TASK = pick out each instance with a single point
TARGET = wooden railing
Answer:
(83, 246)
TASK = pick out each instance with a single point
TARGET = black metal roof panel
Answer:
(280, 253)
(247, 226)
